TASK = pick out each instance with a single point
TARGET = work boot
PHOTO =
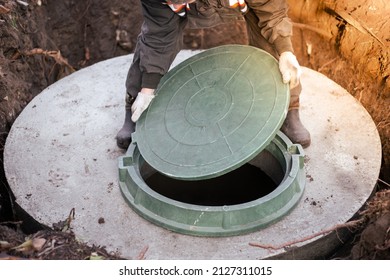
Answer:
(123, 138)
(294, 129)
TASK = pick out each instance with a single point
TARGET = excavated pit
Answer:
(69, 159)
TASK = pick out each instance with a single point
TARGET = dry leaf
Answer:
(38, 243)
(22, 3)
(3, 10)
(25, 246)
(5, 245)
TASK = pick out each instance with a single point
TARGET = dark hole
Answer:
(244, 184)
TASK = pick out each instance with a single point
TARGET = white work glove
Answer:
(140, 104)
(290, 69)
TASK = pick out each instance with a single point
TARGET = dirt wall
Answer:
(46, 40)
(359, 29)
(349, 41)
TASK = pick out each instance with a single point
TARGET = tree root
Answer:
(141, 255)
(59, 59)
(351, 224)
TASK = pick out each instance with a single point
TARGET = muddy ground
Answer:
(43, 41)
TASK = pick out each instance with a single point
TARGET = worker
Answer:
(161, 38)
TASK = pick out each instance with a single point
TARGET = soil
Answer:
(43, 41)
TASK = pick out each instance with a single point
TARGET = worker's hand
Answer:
(290, 69)
(140, 104)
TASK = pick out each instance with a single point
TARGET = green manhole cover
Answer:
(213, 112)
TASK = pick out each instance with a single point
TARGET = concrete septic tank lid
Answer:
(213, 112)
(61, 154)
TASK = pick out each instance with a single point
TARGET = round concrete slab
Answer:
(61, 154)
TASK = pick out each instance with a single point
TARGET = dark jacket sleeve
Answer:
(159, 41)
(274, 23)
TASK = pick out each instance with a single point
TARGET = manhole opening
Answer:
(244, 184)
